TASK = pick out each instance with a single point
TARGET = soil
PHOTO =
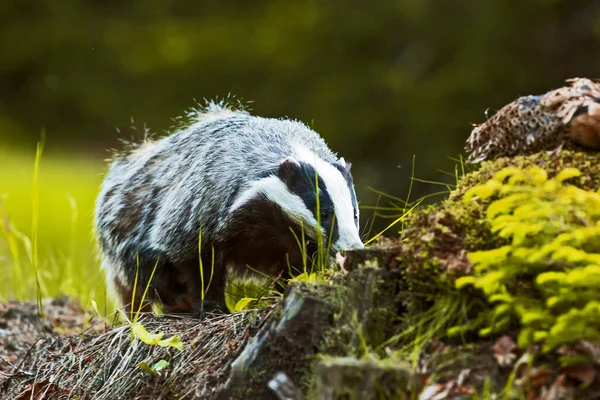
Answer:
(21, 328)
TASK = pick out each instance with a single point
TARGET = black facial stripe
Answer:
(344, 171)
(348, 177)
(301, 182)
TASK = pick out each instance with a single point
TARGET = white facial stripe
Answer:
(338, 190)
(276, 191)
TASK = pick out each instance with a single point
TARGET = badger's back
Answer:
(165, 187)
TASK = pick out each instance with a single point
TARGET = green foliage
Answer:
(249, 292)
(139, 331)
(548, 275)
(244, 304)
(306, 277)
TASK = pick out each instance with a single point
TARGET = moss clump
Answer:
(550, 301)
(438, 238)
(548, 275)
(434, 249)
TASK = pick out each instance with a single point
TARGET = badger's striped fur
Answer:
(239, 181)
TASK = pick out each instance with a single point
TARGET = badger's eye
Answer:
(355, 216)
(324, 215)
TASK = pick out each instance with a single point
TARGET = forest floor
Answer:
(62, 355)
(21, 328)
(30, 344)
(68, 354)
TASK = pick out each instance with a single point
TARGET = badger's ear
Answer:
(345, 164)
(289, 168)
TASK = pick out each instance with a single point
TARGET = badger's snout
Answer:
(356, 245)
(347, 243)
(344, 247)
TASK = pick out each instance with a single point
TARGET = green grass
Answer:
(47, 222)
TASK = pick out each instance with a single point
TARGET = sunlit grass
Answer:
(35, 220)
(57, 194)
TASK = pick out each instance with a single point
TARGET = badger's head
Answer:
(293, 187)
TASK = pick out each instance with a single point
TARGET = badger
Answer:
(229, 193)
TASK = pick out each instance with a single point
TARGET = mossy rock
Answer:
(388, 287)
(364, 379)
(287, 344)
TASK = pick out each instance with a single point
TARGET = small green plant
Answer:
(137, 329)
(400, 210)
(256, 290)
(548, 277)
(250, 292)
(35, 211)
(205, 287)
(154, 368)
(402, 218)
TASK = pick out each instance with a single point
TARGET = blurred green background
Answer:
(381, 80)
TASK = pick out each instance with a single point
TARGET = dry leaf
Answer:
(505, 351)
(438, 391)
(464, 374)
(589, 348)
(38, 391)
(584, 374)
(539, 377)
(558, 390)
(434, 392)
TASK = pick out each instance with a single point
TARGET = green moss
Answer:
(437, 238)
(547, 276)
(434, 252)
(367, 311)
